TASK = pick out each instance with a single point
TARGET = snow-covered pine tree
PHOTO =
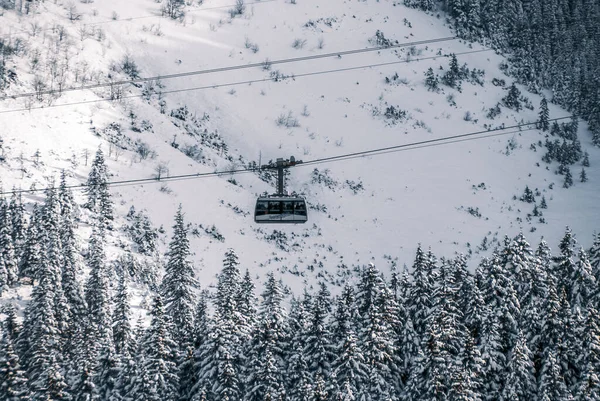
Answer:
(188, 375)
(512, 99)
(472, 384)
(246, 302)
(431, 81)
(298, 378)
(264, 377)
(178, 284)
(17, 214)
(7, 250)
(349, 368)
(220, 355)
(159, 350)
(376, 335)
(543, 116)
(420, 302)
(121, 325)
(99, 322)
(564, 264)
(583, 175)
(588, 388)
(108, 370)
(518, 260)
(568, 182)
(39, 340)
(319, 349)
(501, 328)
(520, 380)
(31, 257)
(583, 283)
(96, 189)
(71, 286)
(13, 382)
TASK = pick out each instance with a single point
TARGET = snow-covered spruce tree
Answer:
(319, 349)
(17, 214)
(178, 284)
(349, 368)
(543, 116)
(264, 375)
(511, 100)
(13, 383)
(564, 264)
(31, 257)
(588, 387)
(246, 305)
(518, 259)
(375, 335)
(420, 303)
(583, 283)
(520, 380)
(121, 326)
(53, 256)
(472, 381)
(39, 340)
(109, 366)
(298, 378)
(221, 356)
(159, 350)
(96, 189)
(72, 289)
(431, 81)
(97, 296)
(8, 257)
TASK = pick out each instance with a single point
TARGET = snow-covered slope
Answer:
(419, 195)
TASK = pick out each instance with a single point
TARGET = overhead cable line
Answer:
(246, 82)
(348, 156)
(228, 68)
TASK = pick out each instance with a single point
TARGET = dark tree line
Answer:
(550, 44)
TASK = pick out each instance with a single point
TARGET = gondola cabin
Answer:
(280, 209)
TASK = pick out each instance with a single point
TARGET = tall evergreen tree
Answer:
(97, 189)
(298, 377)
(264, 378)
(159, 351)
(121, 326)
(31, 257)
(588, 387)
(13, 383)
(178, 283)
(544, 116)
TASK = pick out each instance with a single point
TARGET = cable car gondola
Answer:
(281, 208)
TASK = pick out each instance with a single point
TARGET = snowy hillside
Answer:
(448, 197)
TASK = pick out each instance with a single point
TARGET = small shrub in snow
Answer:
(322, 177)
(298, 43)
(381, 40)
(129, 67)
(144, 151)
(355, 187)
(394, 114)
(287, 120)
(494, 112)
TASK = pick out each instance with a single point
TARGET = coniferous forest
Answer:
(551, 44)
(524, 326)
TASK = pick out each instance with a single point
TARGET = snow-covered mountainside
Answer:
(449, 196)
